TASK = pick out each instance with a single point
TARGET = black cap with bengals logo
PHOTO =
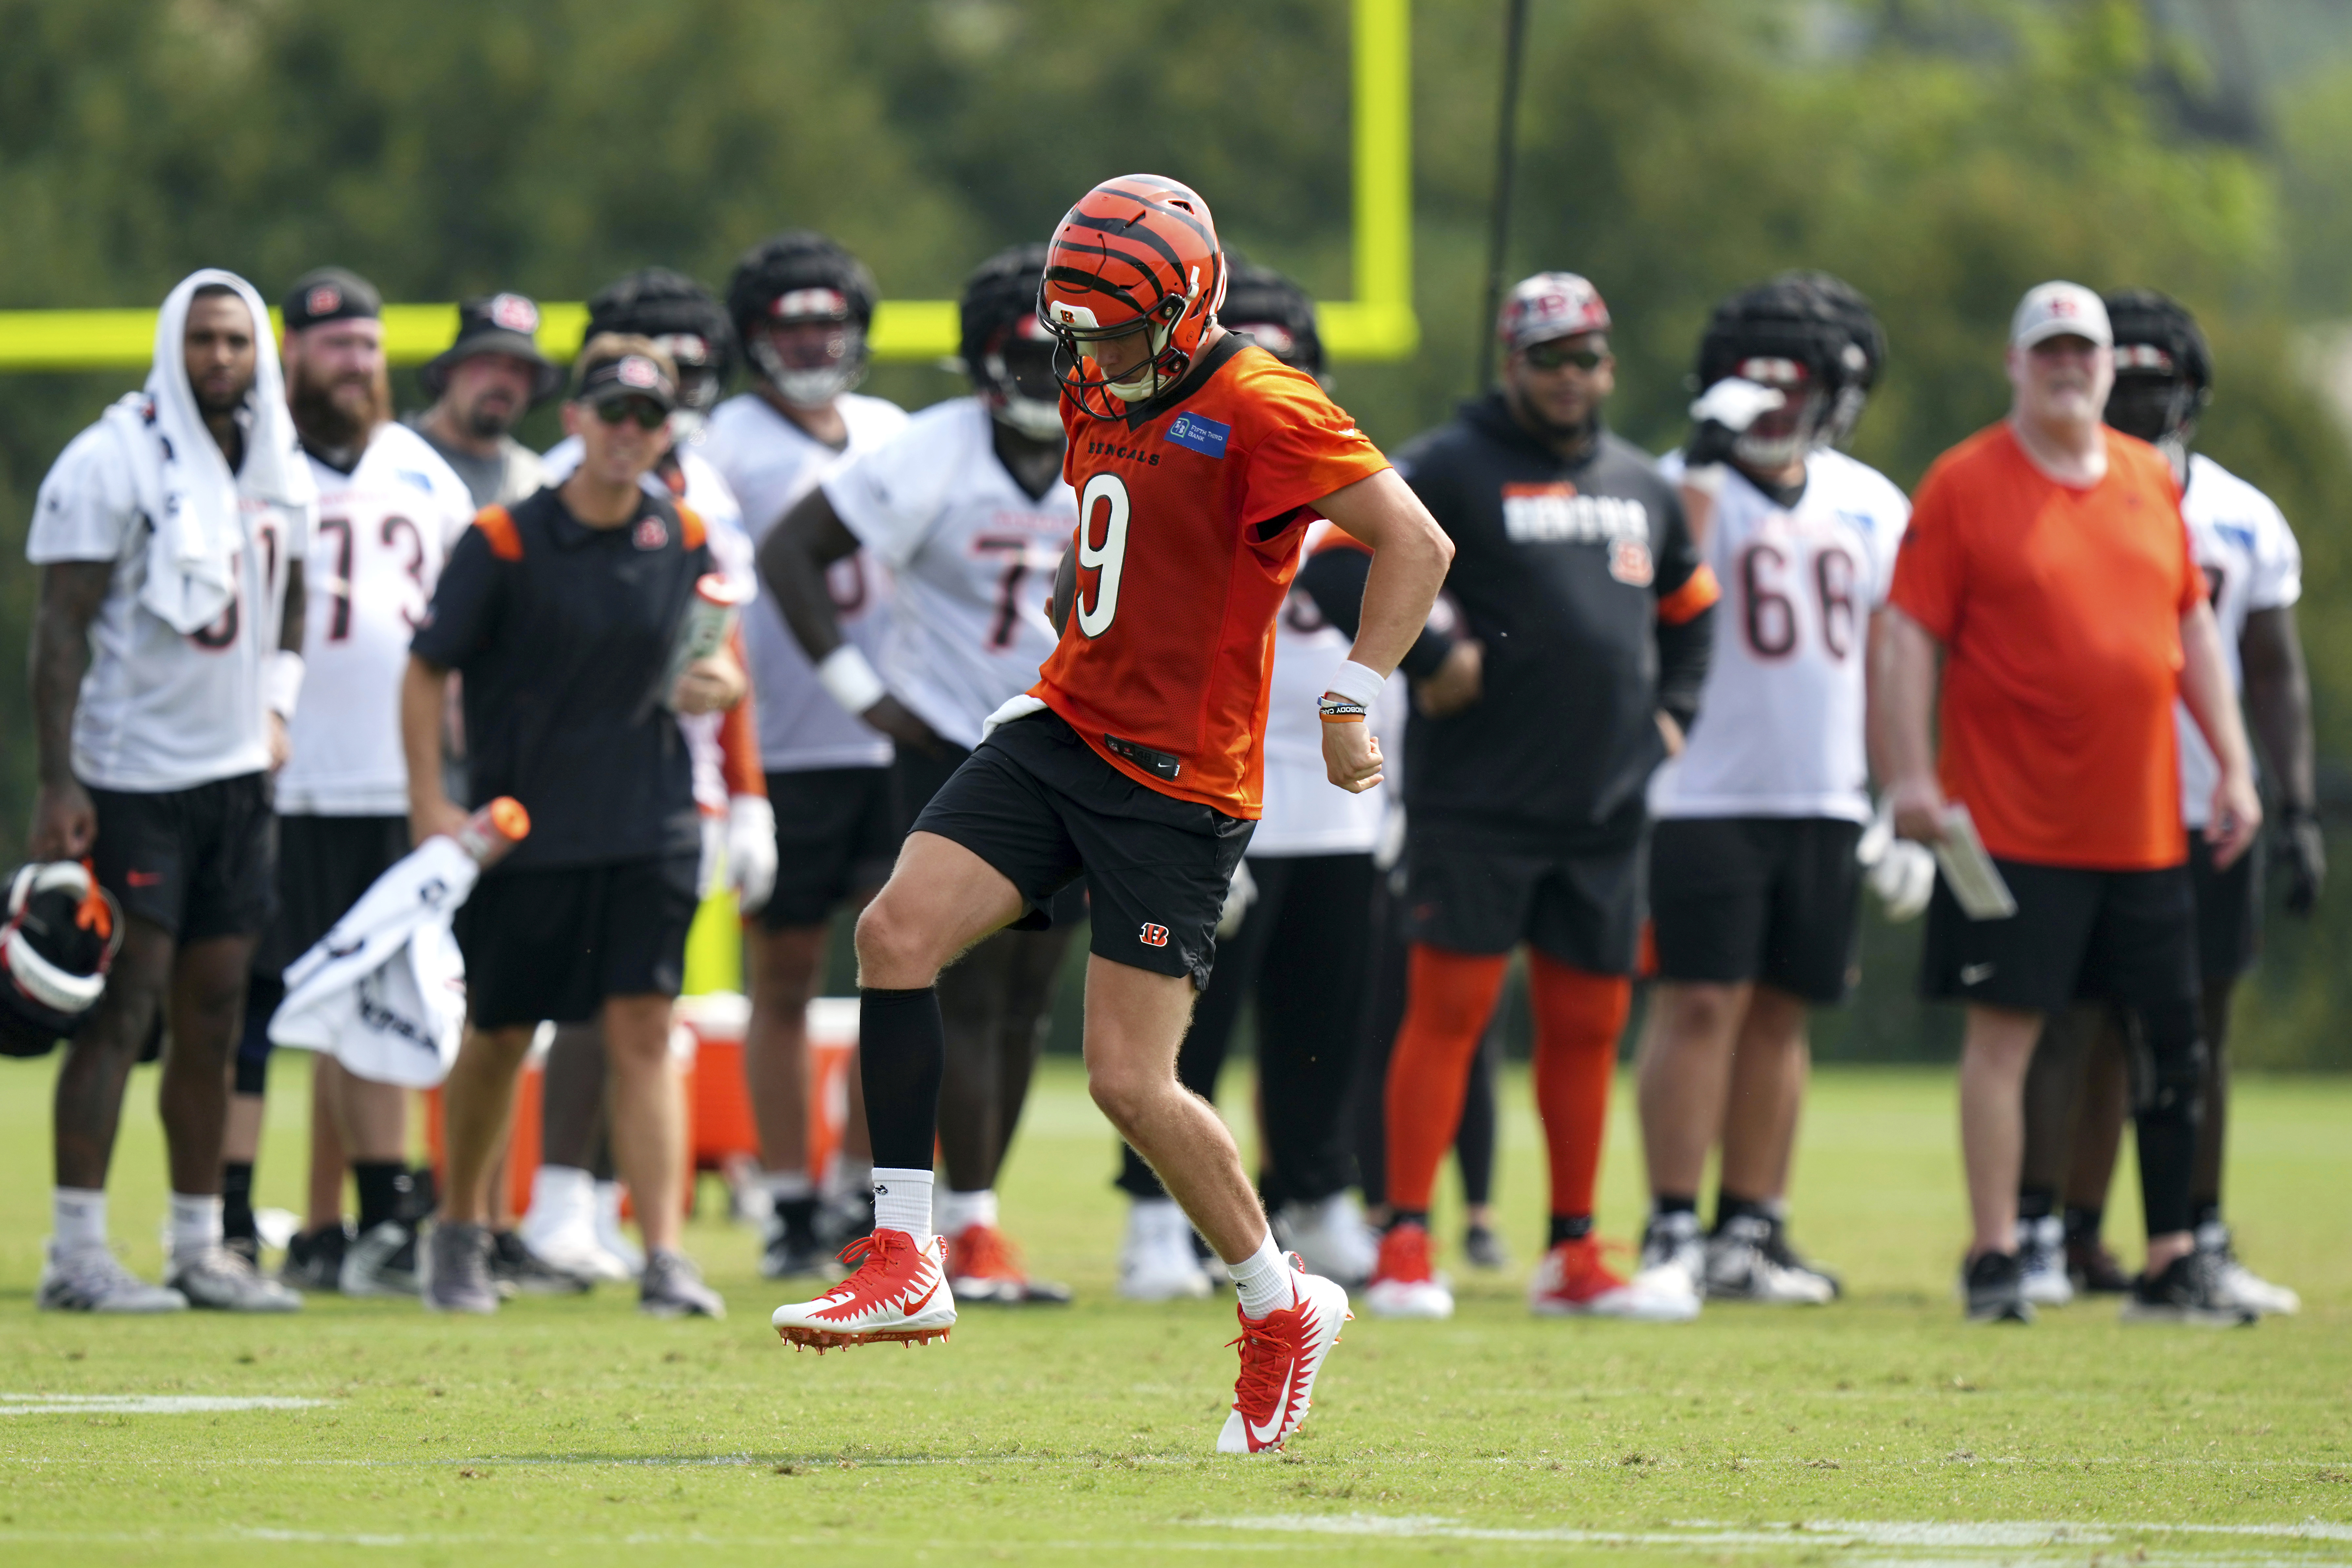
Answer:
(630, 376)
(327, 294)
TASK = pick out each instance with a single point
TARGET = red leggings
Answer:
(1449, 999)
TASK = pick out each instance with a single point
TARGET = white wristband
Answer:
(845, 673)
(281, 682)
(1357, 683)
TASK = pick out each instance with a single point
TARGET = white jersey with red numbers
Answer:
(160, 710)
(769, 463)
(383, 531)
(707, 494)
(972, 558)
(1780, 727)
(1305, 812)
(2250, 562)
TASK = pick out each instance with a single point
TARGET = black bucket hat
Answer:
(496, 324)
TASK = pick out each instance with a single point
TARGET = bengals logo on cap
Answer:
(515, 313)
(323, 301)
(638, 371)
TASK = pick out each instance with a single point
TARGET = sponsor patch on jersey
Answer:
(417, 477)
(1629, 563)
(652, 534)
(1205, 437)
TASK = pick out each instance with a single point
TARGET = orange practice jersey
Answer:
(1191, 512)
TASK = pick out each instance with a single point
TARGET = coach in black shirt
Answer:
(560, 613)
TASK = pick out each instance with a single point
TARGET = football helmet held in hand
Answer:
(61, 935)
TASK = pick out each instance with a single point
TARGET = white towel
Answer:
(183, 482)
(384, 992)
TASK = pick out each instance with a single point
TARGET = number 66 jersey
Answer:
(1189, 513)
(1780, 719)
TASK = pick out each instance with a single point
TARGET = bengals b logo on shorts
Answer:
(1155, 935)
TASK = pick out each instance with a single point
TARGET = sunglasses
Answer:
(648, 415)
(1551, 356)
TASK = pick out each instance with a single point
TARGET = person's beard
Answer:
(324, 413)
(488, 423)
(223, 406)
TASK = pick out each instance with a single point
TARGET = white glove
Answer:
(1734, 404)
(1240, 894)
(1901, 873)
(751, 850)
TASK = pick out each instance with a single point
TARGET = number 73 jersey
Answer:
(383, 531)
(1780, 730)
(1190, 510)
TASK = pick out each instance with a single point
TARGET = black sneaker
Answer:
(457, 1273)
(381, 1263)
(1485, 1249)
(2093, 1269)
(791, 1247)
(519, 1271)
(1994, 1287)
(314, 1258)
(1777, 1248)
(2191, 1290)
(672, 1287)
(843, 1217)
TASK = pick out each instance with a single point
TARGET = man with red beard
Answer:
(389, 509)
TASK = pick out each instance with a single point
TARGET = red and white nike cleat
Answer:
(1573, 1281)
(899, 1291)
(985, 1266)
(1281, 1353)
(1405, 1284)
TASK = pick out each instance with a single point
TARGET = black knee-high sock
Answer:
(237, 1200)
(2169, 1109)
(902, 1054)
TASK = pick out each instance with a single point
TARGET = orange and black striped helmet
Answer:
(1137, 254)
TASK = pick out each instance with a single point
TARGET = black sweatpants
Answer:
(1304, 954)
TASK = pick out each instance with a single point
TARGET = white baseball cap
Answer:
(2060, 310)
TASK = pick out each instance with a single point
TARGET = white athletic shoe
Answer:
(1739, 1267)
(1672, 1265)
(2241, 1283)
(91, 1279)
(1281, 1353)
(1405, 1284)
(1330, 1238)
(2041, 1259)
(222, 1280)
(568, 1243)
(1155, 1260)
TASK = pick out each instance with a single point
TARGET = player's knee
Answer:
(1123, 1093)
(895, 952)
(2177, 1060)
(1702, 1012)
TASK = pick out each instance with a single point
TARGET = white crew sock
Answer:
(902, 1201)
(958, 1211)
(561, 1197)
(195, 1223)
(80, 1219)
(1263, 1279)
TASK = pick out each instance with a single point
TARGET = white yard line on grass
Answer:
(144, 1404)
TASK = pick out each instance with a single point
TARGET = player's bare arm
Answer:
(2206, 687)
(423, 690)
(1905, 662)
(1410, 555)
(2278, 702)
(792, 562)
(64, 821)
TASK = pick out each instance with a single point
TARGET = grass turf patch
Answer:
(1882, 1429)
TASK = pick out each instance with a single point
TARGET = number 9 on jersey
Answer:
(1105, 559)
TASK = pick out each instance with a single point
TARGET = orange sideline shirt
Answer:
(1189, 527)
(2059, 609)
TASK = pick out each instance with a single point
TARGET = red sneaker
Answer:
(985, 1266)
(1404, 1283)
(1573, 1281)
(899, 1291)
(1281, 1353)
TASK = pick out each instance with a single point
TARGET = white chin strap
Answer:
(1031, 416)
(808, 388)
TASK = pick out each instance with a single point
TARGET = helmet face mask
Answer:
(685, 321)
(1020, 385)
(1137, 255)
(809, 368)
(1812, 337)
(2164, 372)
(699, 379)
(1008, 354)
(802, 306)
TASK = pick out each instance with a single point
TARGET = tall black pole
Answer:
(1507, 147)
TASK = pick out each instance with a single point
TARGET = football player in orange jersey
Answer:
(1137, 757)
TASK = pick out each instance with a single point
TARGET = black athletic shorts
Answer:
(917, 775)
(1775, 899)
(553, 944)
(2229, 911)
(837, 834)
(2127, 936)
(1473, 893)
(1037, 803)
(199, 862)
(324, 865)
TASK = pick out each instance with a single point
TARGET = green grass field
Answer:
(1882, 1430)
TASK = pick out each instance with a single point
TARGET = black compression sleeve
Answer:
(1335, 580)
(1682, 654)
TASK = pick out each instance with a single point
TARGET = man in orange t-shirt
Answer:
(2048, 569)
(1138, 759)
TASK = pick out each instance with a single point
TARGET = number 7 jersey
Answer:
(1780, 730)
(1189, 513)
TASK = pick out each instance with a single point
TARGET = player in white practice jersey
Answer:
(2253, 569)
(165, 659)
(389, 508)
(1754, 881)
(967, 509)
(800, 305)
(573, 1222)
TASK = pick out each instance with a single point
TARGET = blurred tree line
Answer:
(1941, 154)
